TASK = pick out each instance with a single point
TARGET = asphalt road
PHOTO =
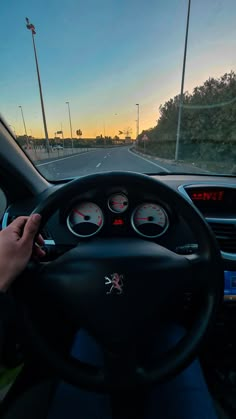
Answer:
(107, 159)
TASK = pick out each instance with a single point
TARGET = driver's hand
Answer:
(17, 245)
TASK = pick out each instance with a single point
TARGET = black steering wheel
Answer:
(151, 275)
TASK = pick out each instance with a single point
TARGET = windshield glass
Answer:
(101, 85)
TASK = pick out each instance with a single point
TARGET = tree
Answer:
(79, 133)
(208, 124)
(209, 113)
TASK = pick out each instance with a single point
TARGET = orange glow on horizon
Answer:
(90, 130)
(109, 124)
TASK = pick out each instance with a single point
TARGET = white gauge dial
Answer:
(85, 219)
(150, 220)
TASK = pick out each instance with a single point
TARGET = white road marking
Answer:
(63, 158)
(149, 161)
(99, 164)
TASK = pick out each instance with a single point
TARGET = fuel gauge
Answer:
(118, 203)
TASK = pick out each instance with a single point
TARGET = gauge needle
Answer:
(78, 212)
(146, 218)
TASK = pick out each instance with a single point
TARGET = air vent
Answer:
(225, 234)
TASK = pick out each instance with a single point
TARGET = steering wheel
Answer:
(152, 276)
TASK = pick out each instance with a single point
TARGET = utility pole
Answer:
(62, 136)
(31, 27)
(23, 119)
(72, 142)
(104, 132)
(182, 85)
(137, 104)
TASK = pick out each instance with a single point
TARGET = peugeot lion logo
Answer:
(115, 284)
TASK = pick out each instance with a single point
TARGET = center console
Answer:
(230, 286)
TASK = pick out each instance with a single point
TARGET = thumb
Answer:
(31, 227)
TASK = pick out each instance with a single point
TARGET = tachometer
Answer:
(118, 203)
(150, 220)
(85, 219)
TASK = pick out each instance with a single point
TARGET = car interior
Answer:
(107, 271)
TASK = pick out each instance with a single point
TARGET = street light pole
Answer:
(23, 119)
(33, 142)
(137, 104)
(72, 142)
(62, 136)
(182, 85)
(31, 27)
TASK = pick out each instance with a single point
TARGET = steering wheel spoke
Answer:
(201, 273)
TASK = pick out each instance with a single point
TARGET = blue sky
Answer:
(104, 56)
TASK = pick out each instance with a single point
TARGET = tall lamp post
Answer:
(72, 141)
(31, 27)
(62, 136)
(23, 119)
(137, 104)
(182, 85)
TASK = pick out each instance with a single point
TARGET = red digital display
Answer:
(207, 196)
(118, 222)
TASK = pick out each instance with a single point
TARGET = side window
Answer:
(3, 203)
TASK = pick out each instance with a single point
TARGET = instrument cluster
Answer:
(147, 219)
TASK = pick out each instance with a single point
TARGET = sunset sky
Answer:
(104, 56)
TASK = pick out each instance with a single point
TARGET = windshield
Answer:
(97, 85)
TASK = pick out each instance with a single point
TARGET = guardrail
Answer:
(37, 154)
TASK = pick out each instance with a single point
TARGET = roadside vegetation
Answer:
(208, 126)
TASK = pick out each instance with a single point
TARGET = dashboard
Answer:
(119, 211)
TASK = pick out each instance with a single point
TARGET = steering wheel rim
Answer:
(207, 262)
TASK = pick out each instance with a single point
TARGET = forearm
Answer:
(5, 281)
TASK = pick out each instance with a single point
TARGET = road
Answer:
(108, 159)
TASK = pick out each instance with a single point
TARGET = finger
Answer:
(17, 225)
(31, 228)
(38, 252)
(37, 257)
(40, 240)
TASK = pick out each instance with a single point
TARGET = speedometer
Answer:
(150, 220)
(85, 219)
